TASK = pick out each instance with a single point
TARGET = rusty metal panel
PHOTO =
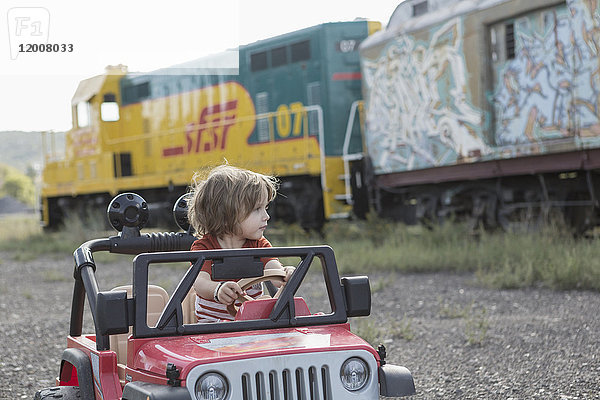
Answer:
(526, 165)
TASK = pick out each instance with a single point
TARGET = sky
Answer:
(83, 37)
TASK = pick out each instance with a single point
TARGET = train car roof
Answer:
(88, 88)
(302, 31)
(211, 64)
(404, 20)
(221, 63)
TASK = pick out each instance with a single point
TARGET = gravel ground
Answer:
(459, 340)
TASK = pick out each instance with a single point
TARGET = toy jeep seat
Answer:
(157, 300)
(189, 308)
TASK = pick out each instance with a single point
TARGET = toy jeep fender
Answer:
(148, 345)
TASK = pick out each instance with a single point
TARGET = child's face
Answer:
(255, 224)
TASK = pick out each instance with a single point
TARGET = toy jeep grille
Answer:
(297, 384)
(307, 376)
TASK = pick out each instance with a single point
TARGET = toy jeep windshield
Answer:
(148, 344)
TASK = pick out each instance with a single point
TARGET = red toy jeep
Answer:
(147, 344)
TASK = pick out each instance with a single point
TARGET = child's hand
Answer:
(229, 292)
(288, 272)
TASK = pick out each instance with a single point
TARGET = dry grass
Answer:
(551, 257)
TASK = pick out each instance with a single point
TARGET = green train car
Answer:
(282, 110)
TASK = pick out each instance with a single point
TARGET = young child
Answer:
(228, 210)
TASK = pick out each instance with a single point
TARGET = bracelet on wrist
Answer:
(216, 293)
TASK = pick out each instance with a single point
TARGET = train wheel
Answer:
(427, 210)
(528, 215)
(300, 201)
(483, 210)
(579, 218)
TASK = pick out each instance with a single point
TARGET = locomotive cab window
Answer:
(135, 93)
(83, 114)
(109, 109)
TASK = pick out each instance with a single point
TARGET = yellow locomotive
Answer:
(283, 112)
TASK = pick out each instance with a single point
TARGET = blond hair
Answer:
(225, 198)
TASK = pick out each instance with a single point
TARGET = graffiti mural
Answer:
(419, 113)
(550, 90)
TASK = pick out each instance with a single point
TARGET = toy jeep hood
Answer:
(153, 355)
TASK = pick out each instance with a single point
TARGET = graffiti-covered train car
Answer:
(281, 108)
(484, 108)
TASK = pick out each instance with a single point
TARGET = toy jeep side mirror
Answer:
(357, 295)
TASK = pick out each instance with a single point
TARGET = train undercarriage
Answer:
(299, 200)
(515, 195)
(518, 204)
(521, 197)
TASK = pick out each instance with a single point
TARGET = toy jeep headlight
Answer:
(354, 374)
(211, 386)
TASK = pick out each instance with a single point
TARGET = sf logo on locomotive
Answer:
(211, 130)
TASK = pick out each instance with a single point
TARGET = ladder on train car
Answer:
(348, 157)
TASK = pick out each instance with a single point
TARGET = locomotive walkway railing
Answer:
(346, 156)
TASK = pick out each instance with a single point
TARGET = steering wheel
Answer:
(268, 275)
